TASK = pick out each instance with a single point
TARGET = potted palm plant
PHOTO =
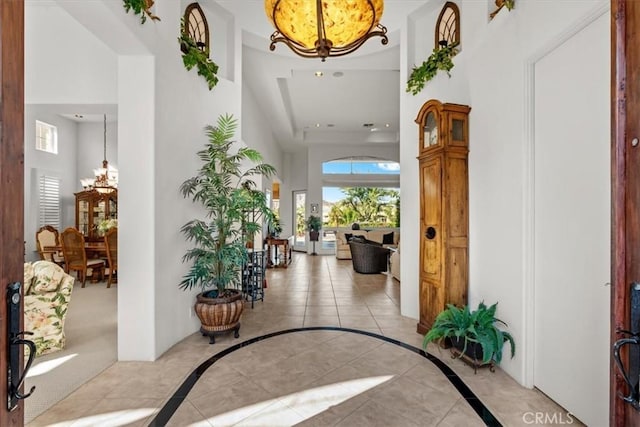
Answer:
(474, 335)
(227, 193)
(314, 224)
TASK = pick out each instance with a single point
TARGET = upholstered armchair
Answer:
(47, 292)
(368, 257)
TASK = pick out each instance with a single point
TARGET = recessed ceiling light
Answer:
(319, 73)
(387, 125)
(338, 74)
(317, 125)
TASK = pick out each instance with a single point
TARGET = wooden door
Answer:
(11, 178)
(431, 271)
(625, 177)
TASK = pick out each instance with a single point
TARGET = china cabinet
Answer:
(444, 208)
(93, 206)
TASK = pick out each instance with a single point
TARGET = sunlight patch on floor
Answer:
(296, 407)
(48, 366)
(109, 419)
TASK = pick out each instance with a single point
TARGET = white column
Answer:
(136, 210)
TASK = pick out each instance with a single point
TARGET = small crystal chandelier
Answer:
(325, 28)
(106, 177)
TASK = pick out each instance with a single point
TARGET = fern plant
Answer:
(440, 59)
(227, 193)
(478, 326)
(142, 8)
(194, 56)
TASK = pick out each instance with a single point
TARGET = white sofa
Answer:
(377, 235)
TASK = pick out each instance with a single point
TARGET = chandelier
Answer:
(325, 28)
(106, 177)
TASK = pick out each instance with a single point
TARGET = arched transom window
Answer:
(196, 26)
(448, 26)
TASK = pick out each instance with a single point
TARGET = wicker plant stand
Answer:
(471, 361)
(219, 315)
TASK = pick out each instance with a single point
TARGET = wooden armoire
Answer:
(444, 208)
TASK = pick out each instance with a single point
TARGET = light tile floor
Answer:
(310, 378)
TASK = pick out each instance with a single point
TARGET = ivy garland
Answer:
(440, 59)
(509, 4)
(142, 8)
(193, 56)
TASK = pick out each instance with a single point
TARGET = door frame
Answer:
(12, 246)
(300, 247)
(625, 183)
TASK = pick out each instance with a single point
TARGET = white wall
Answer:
(183, 107)
(91, 148)
(489, 76)
(256, 131)
(63, 74)
(37, 163)
(64, 64)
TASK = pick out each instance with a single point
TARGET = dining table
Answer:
(92, 249)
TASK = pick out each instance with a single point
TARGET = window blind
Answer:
(49, 201)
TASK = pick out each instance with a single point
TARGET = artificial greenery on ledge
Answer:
(193, 56)
(142, 8)
(440, 59)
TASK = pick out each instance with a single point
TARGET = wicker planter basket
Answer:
(219, 315)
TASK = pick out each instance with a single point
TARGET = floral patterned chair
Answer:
(47, 292)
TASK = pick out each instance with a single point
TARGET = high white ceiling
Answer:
(362, 88)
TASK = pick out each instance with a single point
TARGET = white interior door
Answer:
(299, 215)
(572, 224)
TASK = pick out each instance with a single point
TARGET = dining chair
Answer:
(47, 240)
(75, 256)
(111, 243)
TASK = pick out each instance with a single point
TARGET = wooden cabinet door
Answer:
(431, 271)
(431, 219)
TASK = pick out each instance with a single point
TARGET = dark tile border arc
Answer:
(174, 402)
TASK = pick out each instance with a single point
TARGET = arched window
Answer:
(448, 25)
(196, 26)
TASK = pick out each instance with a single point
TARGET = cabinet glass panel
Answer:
(457, 130)
(83, 214)
(113, 209)
(430, 131)
(99, 211)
